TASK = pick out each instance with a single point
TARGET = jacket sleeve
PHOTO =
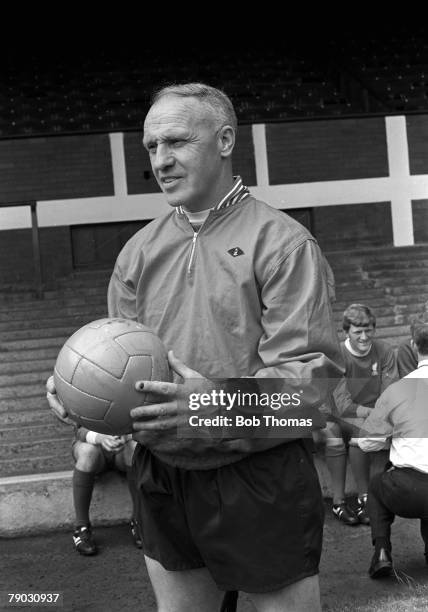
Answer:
(299, 346)
(344, 404)
(300, 339)
(121, 299)
(377, 428)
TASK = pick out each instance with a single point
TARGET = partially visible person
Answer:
(407, 357)
(369, 368)
(399, 418)
(94, 453)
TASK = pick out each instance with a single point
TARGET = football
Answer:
(97, 368)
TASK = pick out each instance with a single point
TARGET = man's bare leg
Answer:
(183, 591)
(302, 596)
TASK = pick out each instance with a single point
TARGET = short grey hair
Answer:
(215, 98)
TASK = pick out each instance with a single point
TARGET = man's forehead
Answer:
(176, 111)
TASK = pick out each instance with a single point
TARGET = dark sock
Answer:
(382, 542)
(83, 485)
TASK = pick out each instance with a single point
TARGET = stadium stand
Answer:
(346, 75)
(32, 332)
(104, 93)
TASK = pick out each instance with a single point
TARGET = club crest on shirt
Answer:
(235, 251)
(374, 369)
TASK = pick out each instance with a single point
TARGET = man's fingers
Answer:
(154, 410)
(154, 386)
(50, 386)
(155, 424)
(55, 404)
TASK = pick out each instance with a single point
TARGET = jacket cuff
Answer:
(91, 437)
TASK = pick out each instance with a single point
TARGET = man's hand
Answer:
(113, 444)
(363, 411)
(54, 403)
(157, 423)
(171, 406)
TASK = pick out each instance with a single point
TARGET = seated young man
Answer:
(407, 355)
(94, 453)
(370, 368)
(400, 416)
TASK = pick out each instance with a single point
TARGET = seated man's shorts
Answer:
(255, 524)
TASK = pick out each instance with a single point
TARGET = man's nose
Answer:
(364, 335)
(163, 158)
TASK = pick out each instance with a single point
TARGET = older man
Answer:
(237, 289)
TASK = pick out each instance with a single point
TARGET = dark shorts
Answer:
(256, 524)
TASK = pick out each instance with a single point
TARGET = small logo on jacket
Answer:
(235, 252)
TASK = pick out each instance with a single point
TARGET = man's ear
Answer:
(226, 138)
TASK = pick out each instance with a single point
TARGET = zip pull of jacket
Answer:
(192, 252)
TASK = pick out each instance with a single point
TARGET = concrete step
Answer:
(43, 502)
(24, 465)
(78, 282)
(410, 291)
(23, 391)
(24, 379)
(25, 432)
(57, 320)
(403, 279)
(14, 367)
(392, 331)
(34, 355)
(347, 284)
(76, 291)
(37, 401)
(38, 416)
(379, 252)
(45, 311)
(376, 302)
(56, 300)
(38, 333)
(414, 266)
(34, 343)
(381, 321)
(36, 448)
(383, 311)
(364, 294)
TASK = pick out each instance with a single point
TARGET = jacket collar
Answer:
(235, 195)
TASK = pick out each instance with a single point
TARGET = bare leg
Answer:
(183, 591)
(302, 596)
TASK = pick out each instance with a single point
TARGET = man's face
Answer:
(185, 151)
(361, 337)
